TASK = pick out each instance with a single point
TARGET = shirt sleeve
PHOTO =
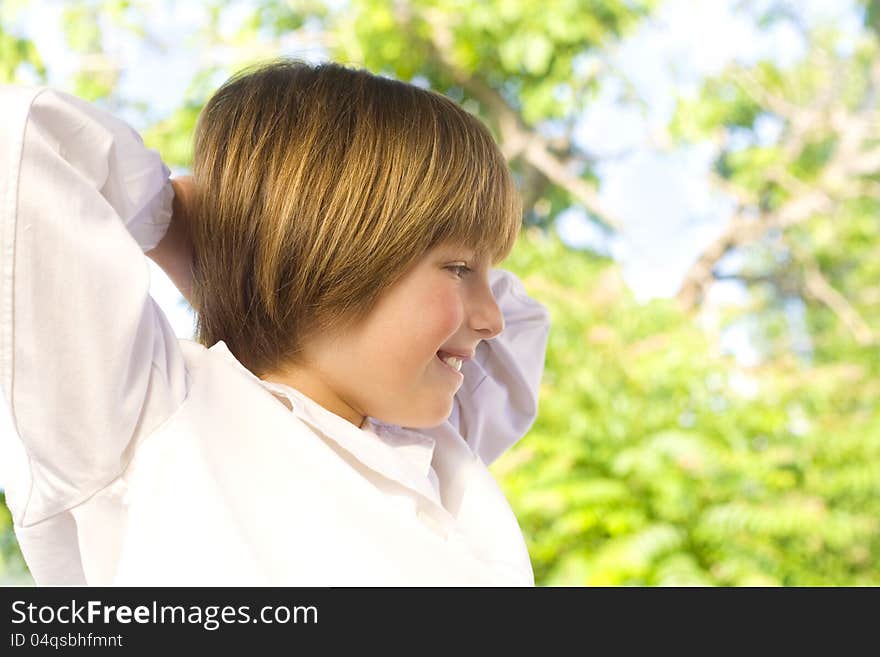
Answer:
(498, 401)
(88, 362)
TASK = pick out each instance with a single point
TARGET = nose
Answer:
(486, 317)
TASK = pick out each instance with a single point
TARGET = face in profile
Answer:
(388, 367)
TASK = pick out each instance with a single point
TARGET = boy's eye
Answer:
(460, 269)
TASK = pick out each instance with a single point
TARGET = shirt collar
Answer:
(400, 454)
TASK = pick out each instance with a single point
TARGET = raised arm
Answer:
(88, 362)
(174, 253)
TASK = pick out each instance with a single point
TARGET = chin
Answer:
(424, 420)
(434, 419)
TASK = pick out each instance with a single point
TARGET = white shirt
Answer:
(138, 458)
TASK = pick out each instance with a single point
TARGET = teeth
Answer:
(453, 362)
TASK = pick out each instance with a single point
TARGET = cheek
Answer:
(404, 336)
(421, 330)
(444, 316)
(399, 379)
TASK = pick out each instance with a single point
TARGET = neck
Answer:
(315, 388)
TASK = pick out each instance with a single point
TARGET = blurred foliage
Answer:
(13, 569)
(655, 460)
(528, 53)
(17, 53)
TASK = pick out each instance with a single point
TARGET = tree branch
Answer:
(739, 230)
(846, 164)
(817, 286)
(742, 229)
(517, 138)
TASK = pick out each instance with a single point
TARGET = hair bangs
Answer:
(475, 201)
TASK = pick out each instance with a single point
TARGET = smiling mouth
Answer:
(448, 366)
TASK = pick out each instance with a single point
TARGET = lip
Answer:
(449, 368)
(457, 354)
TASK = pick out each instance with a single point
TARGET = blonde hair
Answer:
(318, 187)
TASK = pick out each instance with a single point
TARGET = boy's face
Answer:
(387, 367)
